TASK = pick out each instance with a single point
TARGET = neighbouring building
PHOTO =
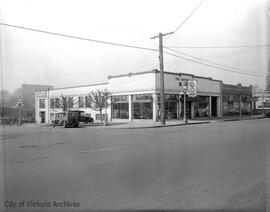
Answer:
(27, 94)
(267, 87)
(263, 96)
(136, 96)
(237, 100)
(263, 101)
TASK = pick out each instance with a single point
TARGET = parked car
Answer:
(267, 114)
(86, 119)
(69, 118)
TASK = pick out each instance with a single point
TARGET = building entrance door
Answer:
(188, 109)
(214, 106)
(42, 117)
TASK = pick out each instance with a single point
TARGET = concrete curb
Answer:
(159, 126)
(173, 125)
(194, 123)
(239, 119)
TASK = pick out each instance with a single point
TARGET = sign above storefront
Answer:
(192, 88)
(42, 94)
(189, 87)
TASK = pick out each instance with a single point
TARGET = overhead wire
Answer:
(77, 37)
(118, 44)
(220, 47)
(233, 53)
(201, 59)
(213, 66)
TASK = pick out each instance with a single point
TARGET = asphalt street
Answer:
(216, 166)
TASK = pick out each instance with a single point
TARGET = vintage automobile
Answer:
(86, 119)
(69, 118)
(72, 118)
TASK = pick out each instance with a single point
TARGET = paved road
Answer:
(211, 166)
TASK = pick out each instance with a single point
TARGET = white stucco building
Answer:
(136, 97)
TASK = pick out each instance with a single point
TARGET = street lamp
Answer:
(185, 92)
(19, 105)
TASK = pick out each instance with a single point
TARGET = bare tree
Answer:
(99, 101)
(5, 106)
(65, 102)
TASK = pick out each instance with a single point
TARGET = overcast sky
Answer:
(36, 58)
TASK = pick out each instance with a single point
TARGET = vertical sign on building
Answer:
(192, 88)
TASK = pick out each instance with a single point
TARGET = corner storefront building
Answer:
(136, 96)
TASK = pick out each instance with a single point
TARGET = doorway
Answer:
(188, 109)
(214, 106)
(42, 117)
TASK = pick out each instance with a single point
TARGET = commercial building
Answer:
(27, 95)
(237, 100)
(136, 96)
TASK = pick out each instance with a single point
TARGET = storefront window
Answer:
(246, 108)
(142, 97)
(171, 110)
(87, 102)
(233, 108)
(57, 103)
(81, 102)
(70, 102)
(201, 107)
(169, 97)
(52, 103)
(119, 98)
(143, 110)
(120, 110)
(231, 105)
(171, 102)
(42, 103)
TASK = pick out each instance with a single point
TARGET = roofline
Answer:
(79, 86)
(133, 73)
(237, 85)
(157, 71)
(24, 84)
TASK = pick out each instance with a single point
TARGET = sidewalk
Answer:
(171, 123)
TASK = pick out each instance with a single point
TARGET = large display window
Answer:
(171, 103)
(120, 110)
(142, 110)
(201, 106)
(120, 107)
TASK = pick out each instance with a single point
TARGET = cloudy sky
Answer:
(37, 58)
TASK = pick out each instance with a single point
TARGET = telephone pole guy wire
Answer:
(186, 19)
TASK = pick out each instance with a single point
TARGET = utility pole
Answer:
(161, 67)
(49, 106)
(185, 87)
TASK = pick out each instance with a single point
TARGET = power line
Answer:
(186, 19)
(226, 66)
(231, 53)
(220, 47)
(213, 66)
(77, 37)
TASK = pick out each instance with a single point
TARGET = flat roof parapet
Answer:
(133, 73)
(157, 71)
